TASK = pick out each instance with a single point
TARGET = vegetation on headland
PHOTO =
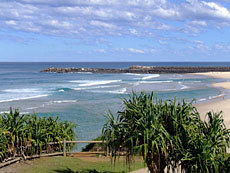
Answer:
(168, 135)
(26, 135)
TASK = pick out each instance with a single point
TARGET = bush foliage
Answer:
(25, 135)
(169, 135)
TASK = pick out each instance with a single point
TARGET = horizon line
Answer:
(114, 61)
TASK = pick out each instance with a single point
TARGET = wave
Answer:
(4, 112)
(32, 108)
(84, 72)
(132, 74)
(200, 100)
(97, 87)
(184, 87)
(159, 81)
(146, 77)
(24, 113)
(212, 97)
(25, 90)
(61, 90)
(64, 101)
(94, 82)
(119, 91)
(7, 112)
(218, 96)
(24, 98)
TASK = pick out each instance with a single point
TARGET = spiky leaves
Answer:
(30, 134)
(167, 134)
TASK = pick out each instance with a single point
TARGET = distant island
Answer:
(140, 69)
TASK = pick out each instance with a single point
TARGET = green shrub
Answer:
(30, 134)
(168, 134)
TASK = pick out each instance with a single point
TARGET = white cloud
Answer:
(102, 24)
(11, 22)
(112, 17)
(198, 23)
(100, 50)
(202, 10)
(136, 50)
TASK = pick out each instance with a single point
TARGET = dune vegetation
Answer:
(26, 135)
(169, 135)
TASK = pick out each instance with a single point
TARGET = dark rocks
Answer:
(140, 69)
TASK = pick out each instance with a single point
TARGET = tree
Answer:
(167, 134)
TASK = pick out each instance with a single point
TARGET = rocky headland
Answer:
(140, 69)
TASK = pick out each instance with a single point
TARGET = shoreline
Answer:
(216, 105)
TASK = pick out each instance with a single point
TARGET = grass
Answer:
(82, 164)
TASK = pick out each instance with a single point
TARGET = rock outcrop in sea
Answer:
(140, 69)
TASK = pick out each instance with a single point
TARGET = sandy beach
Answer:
(222, 75)
(220, 104)
(216, 106)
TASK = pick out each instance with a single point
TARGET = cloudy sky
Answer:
(115, 30)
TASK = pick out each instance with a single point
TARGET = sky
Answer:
(114, 30)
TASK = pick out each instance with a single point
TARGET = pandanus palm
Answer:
(139, 128)
(168, 134)
(30, 134)
(206, 150)
(36, 133)
(3, 145)
(14, 126)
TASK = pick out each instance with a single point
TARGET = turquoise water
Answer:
(84, 98)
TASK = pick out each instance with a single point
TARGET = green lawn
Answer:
(74, 164)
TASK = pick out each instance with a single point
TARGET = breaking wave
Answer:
(94, 82)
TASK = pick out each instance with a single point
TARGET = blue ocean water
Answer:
(84, 98)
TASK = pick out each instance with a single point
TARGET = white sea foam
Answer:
(7, 112)
(132, 74)
(84, 72)
(94, 82)
(218, 96)
(152, 82)
(97, 87)
(25, 90)
(119, 91)
(148, 76)
(61, 90)
(32, 108)
(200, 100)
(23, 98)
(24, 113)
(184, 87)
(65, 101)
(4, 112)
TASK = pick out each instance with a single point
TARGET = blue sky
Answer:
(114, 30)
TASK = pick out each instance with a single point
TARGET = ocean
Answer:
(85, 98)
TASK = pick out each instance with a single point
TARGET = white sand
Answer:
(223, 75)
(225, 85)
(216, 106)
